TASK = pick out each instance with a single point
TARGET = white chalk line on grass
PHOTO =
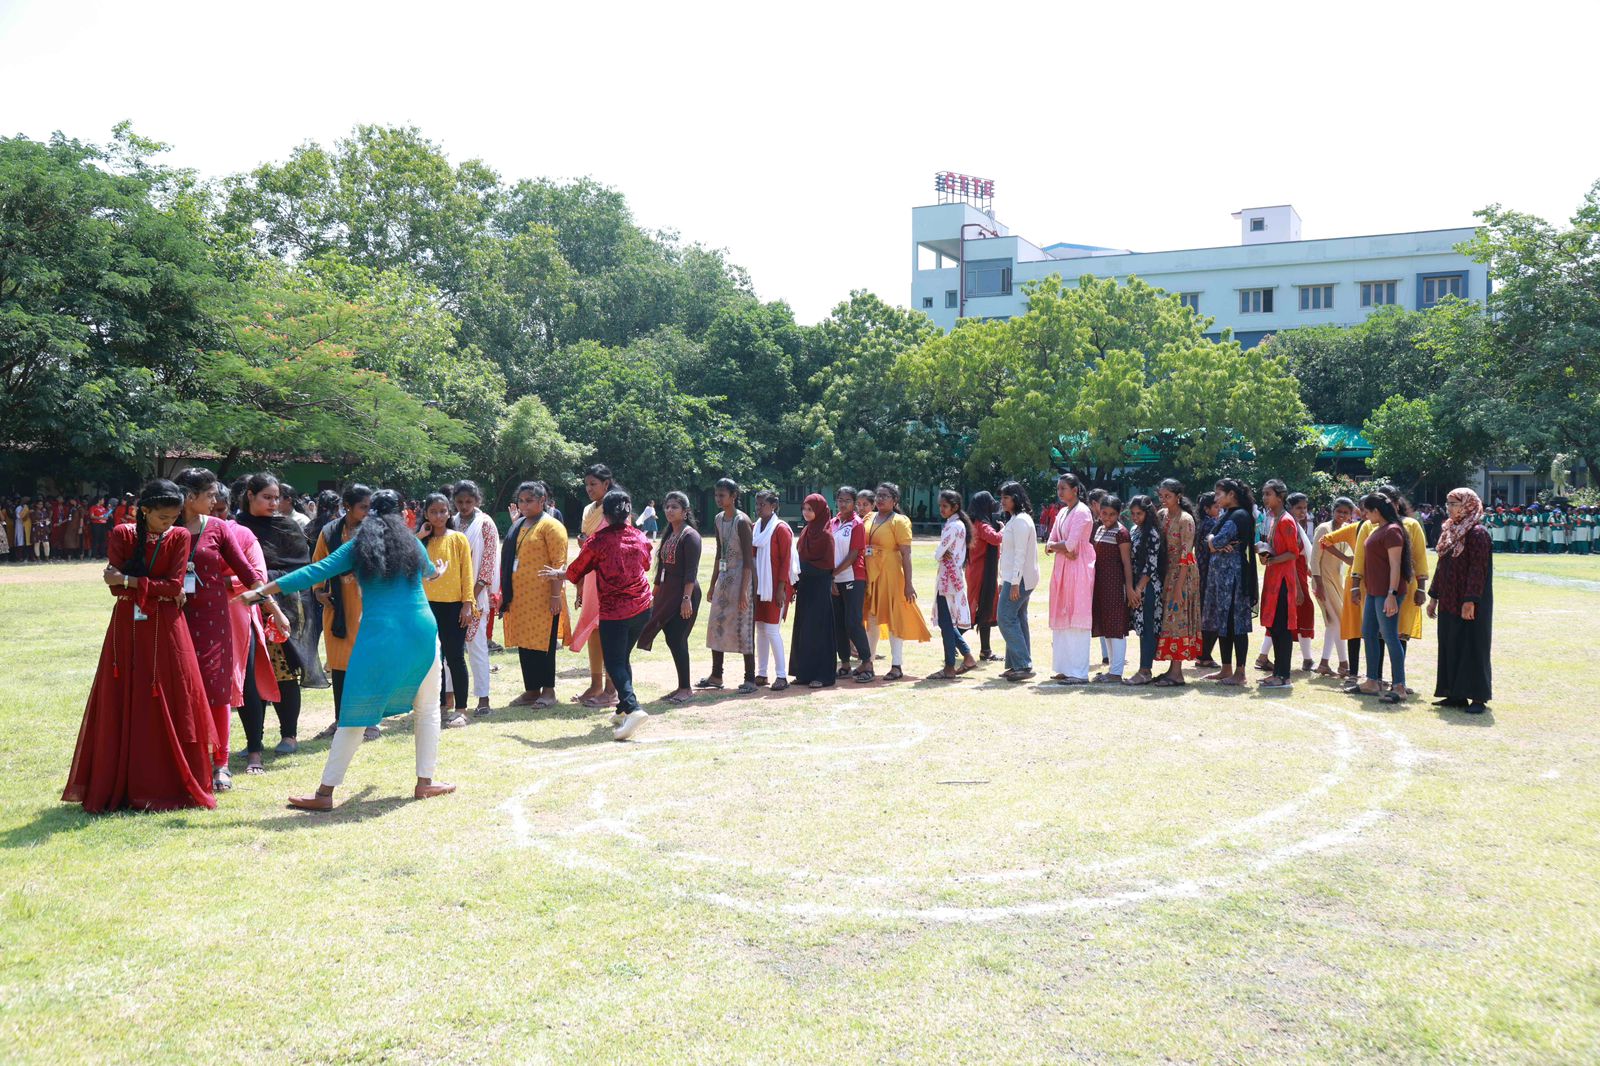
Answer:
(1553, 580)
(1404, 757)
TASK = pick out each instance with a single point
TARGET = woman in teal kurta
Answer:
(394, 664)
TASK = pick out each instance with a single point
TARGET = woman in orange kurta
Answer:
(891, 599)
(534, 608)
(341, 599)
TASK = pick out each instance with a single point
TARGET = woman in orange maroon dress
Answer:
(147, 741)
(983, 570)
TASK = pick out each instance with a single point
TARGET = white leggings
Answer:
(1305, 647)
(1331, 644)
(897, 645)
(769, 637)
(425, 721)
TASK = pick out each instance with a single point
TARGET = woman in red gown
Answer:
(147, 741)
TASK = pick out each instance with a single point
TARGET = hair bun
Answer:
(385, 502)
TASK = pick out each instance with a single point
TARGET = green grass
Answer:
(921, 872)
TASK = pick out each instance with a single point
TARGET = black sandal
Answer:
(894, 674)
(780, 684)
(864, 675)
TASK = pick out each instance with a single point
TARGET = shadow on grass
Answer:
(1458, 716)
(594, 736)
(66, 818)
(357, 808)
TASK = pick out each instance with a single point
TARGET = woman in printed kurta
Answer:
(394, 666)
(534, 608)
(952, 609)
(1462, 598)
(891, 597)
(597, 481)
(146, 741)
(1228, 609)
(1180, 586)
(1149, 551)
(1071, 583)
(730, 619)
(217, 551)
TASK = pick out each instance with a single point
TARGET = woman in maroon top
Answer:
(619, 557)
(1113, 587)
(983, 570)
(1385, 569)
(1462, 598)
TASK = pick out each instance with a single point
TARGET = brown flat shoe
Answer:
(436, 788)
(311, 803)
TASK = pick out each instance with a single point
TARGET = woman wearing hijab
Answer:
(147, 740)
(812, 650)
(394, 666)
(284, 549)
(1461, 597)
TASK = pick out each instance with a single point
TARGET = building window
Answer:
(1377, 293)
(927, 302)
(1255, 301)
(1316, 297)
(951, 297)
(1258, 225)
(1438, 286)
(989, 277)
(1191, 300)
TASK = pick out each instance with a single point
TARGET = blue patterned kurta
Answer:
(397, 643)
(1227, 607)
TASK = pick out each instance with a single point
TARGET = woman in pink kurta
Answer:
(1071, 583)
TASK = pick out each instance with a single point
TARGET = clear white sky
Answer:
(799, 135)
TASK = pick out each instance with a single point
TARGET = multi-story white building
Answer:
(966, 264)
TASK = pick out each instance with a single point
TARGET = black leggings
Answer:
(539, 666)
(849, 631)
(253, 715)
(1352, 649)
(1282, 635)
(1209, 646)
(749, 666)
(676, 634)
(1230, 643)
(617, 638)
(452, 649)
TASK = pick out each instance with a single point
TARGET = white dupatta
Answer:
(761, 540)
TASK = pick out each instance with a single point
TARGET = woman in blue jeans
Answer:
(1019, 576)
(1385, 569)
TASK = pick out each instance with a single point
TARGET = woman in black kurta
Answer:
(1461, 596)
(675, 602)
(811, 645)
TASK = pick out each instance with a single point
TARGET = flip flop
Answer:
(706, 682)
(1166, 682)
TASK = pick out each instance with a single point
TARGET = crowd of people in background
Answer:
(230, 599)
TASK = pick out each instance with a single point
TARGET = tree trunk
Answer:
(227, 464)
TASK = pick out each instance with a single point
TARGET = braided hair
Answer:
(155, 495)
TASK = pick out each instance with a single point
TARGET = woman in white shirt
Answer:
(1019, 576)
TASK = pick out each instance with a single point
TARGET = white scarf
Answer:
(761, 539)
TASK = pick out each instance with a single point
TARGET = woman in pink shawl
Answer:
(1071, 584)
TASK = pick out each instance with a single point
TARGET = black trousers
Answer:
(452, 649)
(1282, 635)
(97, 538)
(253, 715)
(1352, 648)
(539, 664)
(848, 628)
(617, 638)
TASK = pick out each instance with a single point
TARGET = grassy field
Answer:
(912, 872)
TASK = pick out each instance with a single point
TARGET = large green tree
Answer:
(104, 274)
(1346, 372)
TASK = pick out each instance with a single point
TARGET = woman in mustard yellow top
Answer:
(534, 607)
(891, 599)
(1350, 540)
(452, 600)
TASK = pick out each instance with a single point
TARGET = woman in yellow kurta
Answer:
(891, 599)
(453, 602)
(341, 599)
(1416, 589)
(1352, 538)
(534, 608)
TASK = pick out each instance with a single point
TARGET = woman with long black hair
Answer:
(341, 598)
(453, 604)
(1146, 605)
(618, 555)
(284, 549)
(1228, 611)
(1019, 576)
(675, 599)
(1385, 572)
(983, 570)
(1283, 591)
(147, 741)
(394, 666)
(952, 608)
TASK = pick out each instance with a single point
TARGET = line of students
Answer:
(1554, 529)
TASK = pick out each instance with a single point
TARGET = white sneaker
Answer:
(455, 721)
(631, 723)
(617, 719)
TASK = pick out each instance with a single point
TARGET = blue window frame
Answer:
(1377, 293)
(1255, 301)
(1316, 297)
(951, 297)
(988, 277)
(1431, 288)
(1191, 300)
